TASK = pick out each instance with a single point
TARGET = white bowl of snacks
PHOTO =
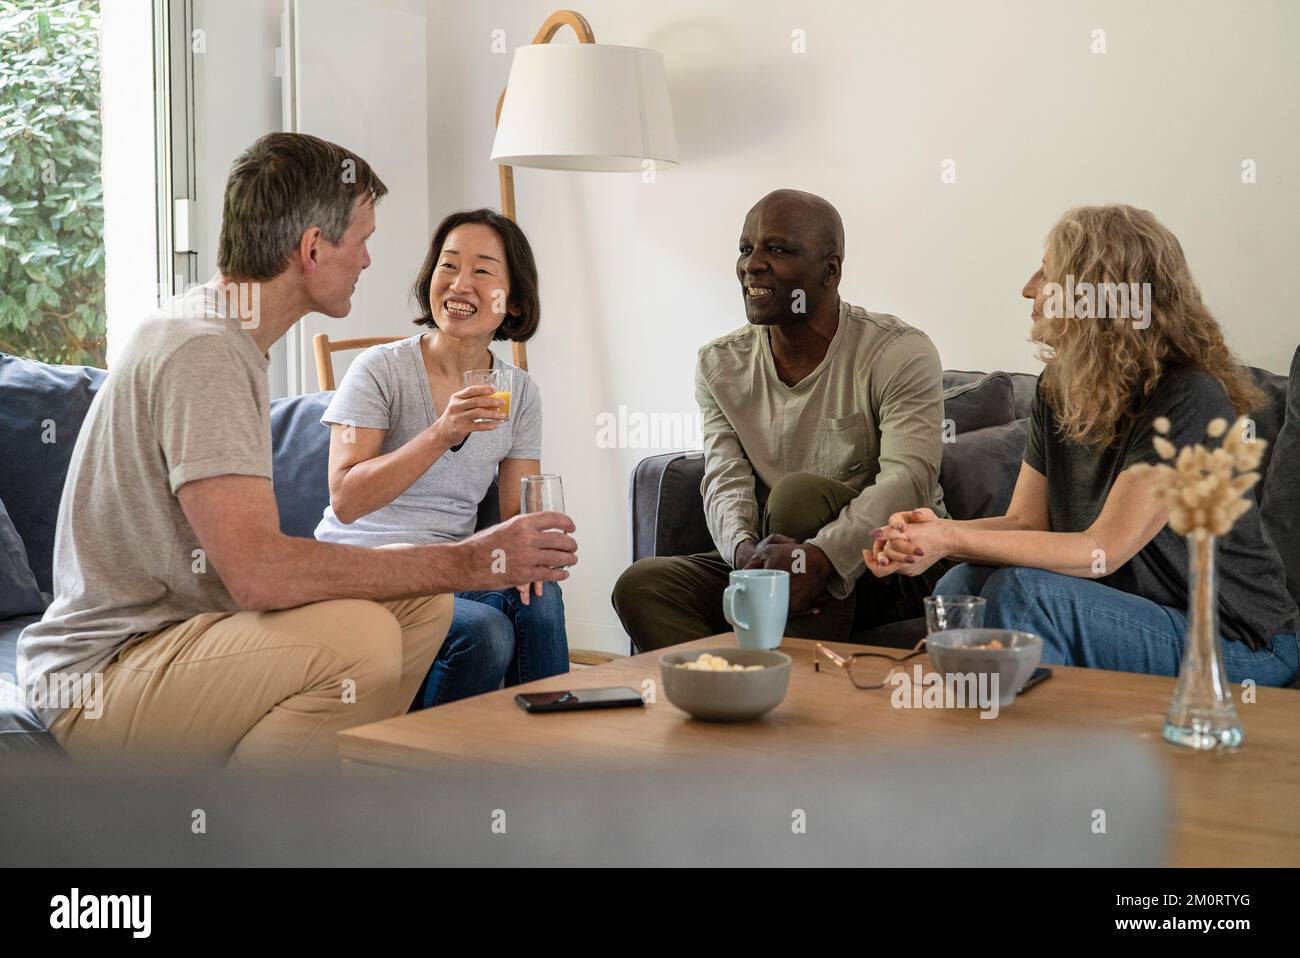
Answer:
(727, 684)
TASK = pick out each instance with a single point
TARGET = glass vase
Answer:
(1202, 715)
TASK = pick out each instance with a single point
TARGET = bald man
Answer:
(820, 420)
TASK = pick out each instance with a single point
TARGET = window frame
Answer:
(175, 158)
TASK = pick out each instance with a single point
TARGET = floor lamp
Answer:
(586, 107)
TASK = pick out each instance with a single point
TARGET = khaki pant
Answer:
(665, 600)
(260, 689)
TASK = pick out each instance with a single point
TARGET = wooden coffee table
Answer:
(1230, 808)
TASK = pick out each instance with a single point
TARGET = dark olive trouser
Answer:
(665, 600)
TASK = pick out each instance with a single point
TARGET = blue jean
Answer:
(495, 638)
(1083, 622)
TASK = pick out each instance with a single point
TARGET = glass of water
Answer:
(544, 493)
(953, 612)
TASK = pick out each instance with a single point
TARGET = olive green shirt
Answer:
(870, 415)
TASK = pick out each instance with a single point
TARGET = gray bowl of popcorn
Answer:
(1006, 655)
(727, 684)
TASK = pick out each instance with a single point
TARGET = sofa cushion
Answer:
(21, 732)
(989, 400)
(300, 448)
(41, 411)
(19, 594)
(1268, 418)
(1024, 386)
(300, 445)
(960, 377)
(1280, 508)
(979, 470)
(10, 629)
(666, 507)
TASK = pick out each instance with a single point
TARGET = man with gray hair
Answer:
(216, 638)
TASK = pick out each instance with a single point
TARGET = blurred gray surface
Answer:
(1029, 806)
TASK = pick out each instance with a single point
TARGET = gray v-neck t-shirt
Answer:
(387, 387)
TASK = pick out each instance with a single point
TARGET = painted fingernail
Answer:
(920, 551)
(876, 533)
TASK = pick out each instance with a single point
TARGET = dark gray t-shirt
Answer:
(1254, 604)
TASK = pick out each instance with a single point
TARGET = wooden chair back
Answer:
(325, 348)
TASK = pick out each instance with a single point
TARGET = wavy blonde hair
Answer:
(1100, 372)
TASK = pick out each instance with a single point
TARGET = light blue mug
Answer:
(756, 603)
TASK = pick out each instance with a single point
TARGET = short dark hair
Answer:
(520, 265)
(279, 187)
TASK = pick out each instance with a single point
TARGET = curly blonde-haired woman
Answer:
(1084, 557)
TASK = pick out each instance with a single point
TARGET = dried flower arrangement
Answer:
(1205, 489)
(1206, 493)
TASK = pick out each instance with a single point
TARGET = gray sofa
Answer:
(989, 411)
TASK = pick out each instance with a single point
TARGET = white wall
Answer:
(636, 276)
(361, 82)
(236, 100)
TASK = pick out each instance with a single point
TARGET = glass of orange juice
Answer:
(500, 380)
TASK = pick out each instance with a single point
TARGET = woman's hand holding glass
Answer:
(910, 543)
(460, 417)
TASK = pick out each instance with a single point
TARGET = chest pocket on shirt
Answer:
(841, 450)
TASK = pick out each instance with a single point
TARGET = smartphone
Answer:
(1040, 675)
(571, 701)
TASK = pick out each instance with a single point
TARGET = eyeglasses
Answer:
(866, 670)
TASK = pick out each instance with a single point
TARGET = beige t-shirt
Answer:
(870, 415)
(187, 400)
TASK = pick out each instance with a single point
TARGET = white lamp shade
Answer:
(586, 106)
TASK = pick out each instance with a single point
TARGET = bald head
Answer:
(815, 217)
(791, 250)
